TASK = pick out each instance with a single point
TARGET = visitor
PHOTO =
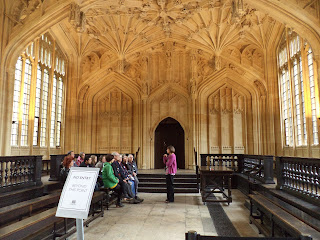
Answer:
(80, 159)
(100, 165)
(133, 170)
(123, 179)
(110, 180)
(94, 160)
(170, 161)
(67, 164)
(87, 163)
(133, 179)
(130, 178)
(101, 162)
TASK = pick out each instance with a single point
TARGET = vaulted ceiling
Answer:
(122, 34)
(125, 27)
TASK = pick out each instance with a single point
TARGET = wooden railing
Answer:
(20, 171)
(234, 161)
(258, 167)
(45, 167)
(56, 163)
(299, 176)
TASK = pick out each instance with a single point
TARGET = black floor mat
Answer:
(221, 222)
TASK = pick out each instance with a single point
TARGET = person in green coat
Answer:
(110, 180)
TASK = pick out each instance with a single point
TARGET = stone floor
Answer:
(239, 215)
(153, 219)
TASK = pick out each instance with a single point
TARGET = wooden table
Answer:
(213, 180)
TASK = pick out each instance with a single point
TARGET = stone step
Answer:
(176, 180)
(164, 190)
(163, 185)
(191, 176)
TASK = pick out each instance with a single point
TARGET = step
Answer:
(20, 195)
(163, 185)
(164, 176)
(164, 190)
(176, 180)
(25, 208)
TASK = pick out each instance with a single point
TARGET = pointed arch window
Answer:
(313, 97)
(38, 95)
(295, 64)
(16, 101)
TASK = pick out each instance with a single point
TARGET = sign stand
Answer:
(80, 230)
(76, 196)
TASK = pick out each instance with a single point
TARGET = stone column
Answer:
(7, 108)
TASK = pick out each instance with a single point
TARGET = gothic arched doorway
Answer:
(169, 132)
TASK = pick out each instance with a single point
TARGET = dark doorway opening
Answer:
(169, 132)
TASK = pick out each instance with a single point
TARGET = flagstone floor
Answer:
(156, 220)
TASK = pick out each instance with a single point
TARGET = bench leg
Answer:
(101, 207)
(65, 225)
(272, 227)
(54, 230)
(251, 211)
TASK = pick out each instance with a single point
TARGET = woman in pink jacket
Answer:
(171, 169)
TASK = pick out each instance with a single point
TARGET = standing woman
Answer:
(170, 161)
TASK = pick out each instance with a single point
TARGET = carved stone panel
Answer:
(168, 104)
(114, 126)
(226, 112)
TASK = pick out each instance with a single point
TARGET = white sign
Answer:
(77, 193)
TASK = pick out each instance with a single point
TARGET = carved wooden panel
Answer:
(114, 125)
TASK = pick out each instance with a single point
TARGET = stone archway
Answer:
(169, 132)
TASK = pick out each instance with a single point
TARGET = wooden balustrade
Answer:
(233, 161)
(255, 166)
(259, 167)
(20, 171)
(299, 176)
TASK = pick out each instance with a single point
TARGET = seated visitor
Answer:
(99, 164)
(87, 163)
(133, 170)
(123, 179)
(125, 170)
(70, 153)
(67, 164)
(110, 180)
(132, 180)
(80, 159)
(94, 160)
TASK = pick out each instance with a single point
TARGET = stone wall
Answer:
(211, 65)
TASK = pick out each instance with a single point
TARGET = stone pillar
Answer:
(7, 108)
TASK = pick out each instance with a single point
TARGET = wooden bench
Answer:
(41, 221)
(191, 235)
(97, 199)
(305, 211)
(289, 224)
(26, 208)
(110, 197)
(29, 226)
(16, 196)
